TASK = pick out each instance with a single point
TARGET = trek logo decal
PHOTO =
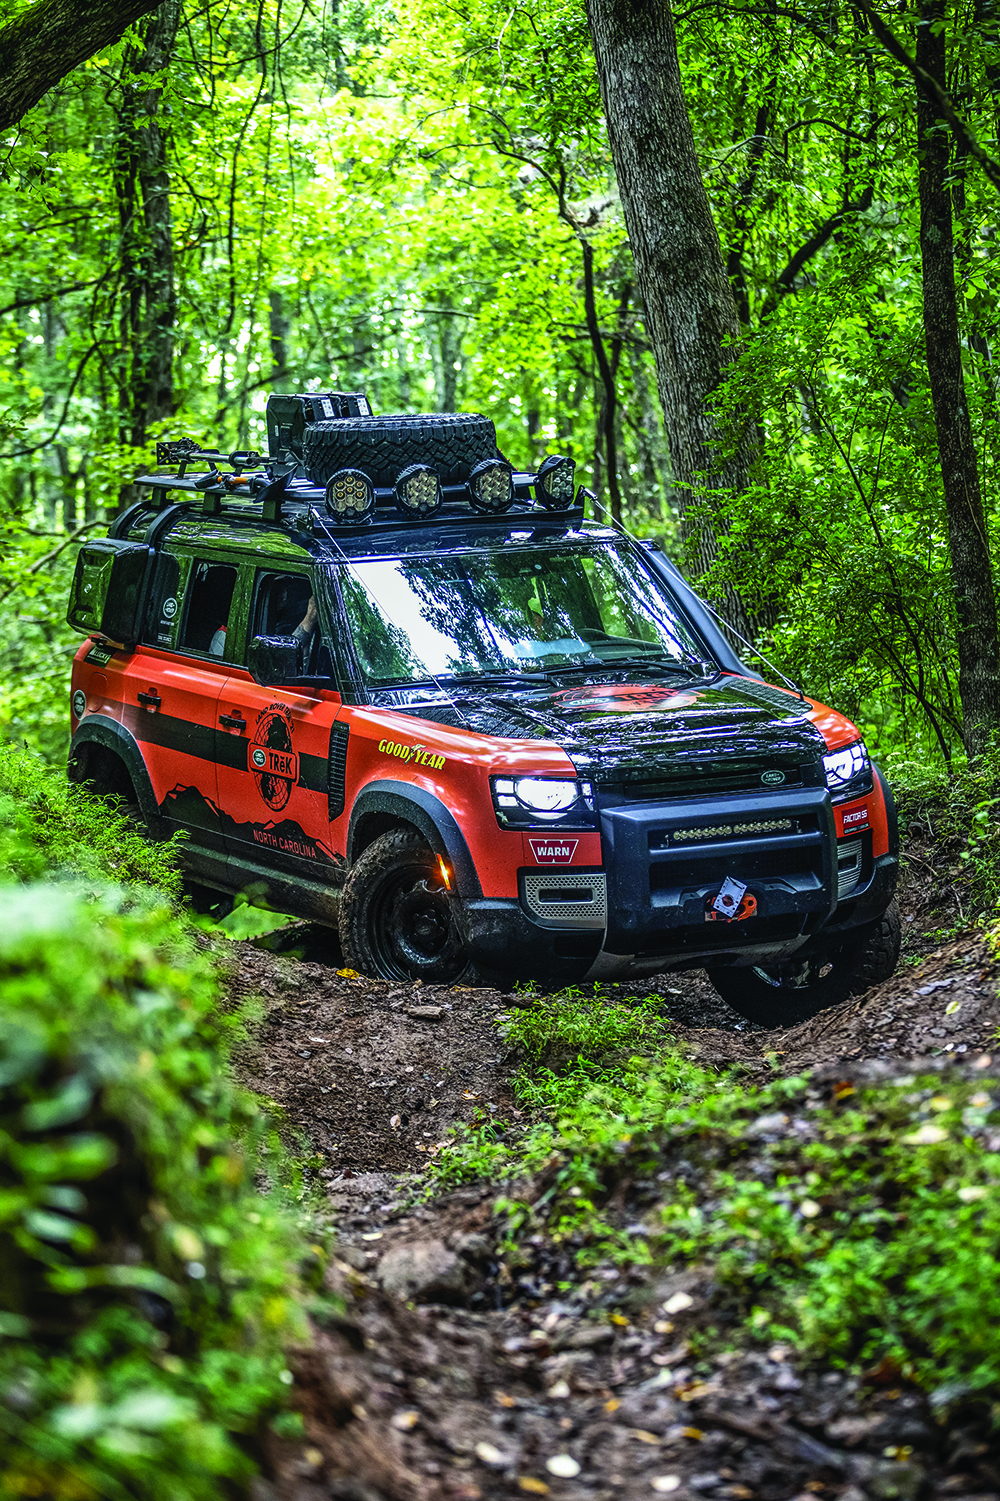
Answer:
(857, 818)
(270, 757)
(418, 754)
(553, 851)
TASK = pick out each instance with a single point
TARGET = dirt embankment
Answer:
(443, 1381)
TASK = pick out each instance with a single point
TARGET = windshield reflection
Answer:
(477, 614)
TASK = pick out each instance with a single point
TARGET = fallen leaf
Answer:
(644, 1436)
(395, 1122)
(504, 1400)
(809, 1209)
(372, 1235)
(843, 1090)
(563, 1465)
(559, 1391)
(940, 1102)
(532, 1486)
(348, 974)
(620, 1320)
(972, 1193)
(665, 1483)
(612, 1404)
(927, 1136)
(489, 1454)
(663, 1326)
(313, 1457)
(404, 1421)
(678, 1303)
(952, 1007)
(694, 1433)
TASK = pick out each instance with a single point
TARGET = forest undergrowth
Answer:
(169, 1258)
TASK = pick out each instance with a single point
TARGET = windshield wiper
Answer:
(470, 679)
(660, 662)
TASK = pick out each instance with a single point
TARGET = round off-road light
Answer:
(554, 482)
(350, 497)
(418, 491)
(491, 486)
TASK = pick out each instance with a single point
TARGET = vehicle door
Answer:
(173, 683)
(275, 749)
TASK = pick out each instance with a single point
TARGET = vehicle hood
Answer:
(630, 731)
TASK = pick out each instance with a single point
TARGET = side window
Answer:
(285, 607)
(210, 594)
(163, 614)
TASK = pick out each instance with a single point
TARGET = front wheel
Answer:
(397, 917)
(782, 995)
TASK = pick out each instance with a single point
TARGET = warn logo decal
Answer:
(553, 851)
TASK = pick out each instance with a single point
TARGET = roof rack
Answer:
(268, 488)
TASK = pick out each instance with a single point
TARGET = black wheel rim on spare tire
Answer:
(412, 928)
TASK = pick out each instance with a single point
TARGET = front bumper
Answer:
(645, 912)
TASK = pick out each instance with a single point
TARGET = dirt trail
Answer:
(436, 1385)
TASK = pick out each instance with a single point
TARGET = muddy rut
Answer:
(439, 1382)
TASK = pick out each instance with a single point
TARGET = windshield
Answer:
(482, 614)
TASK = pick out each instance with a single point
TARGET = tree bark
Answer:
(42, 45)
(690, 311)
(971, 571)
(142, 179)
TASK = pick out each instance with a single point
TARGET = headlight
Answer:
(848, 772)
(537, 802)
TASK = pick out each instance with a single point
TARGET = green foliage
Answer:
(49, 827)
(872, 1232)
(862, 1228)
(147, 1287)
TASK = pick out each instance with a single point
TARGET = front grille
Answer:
(752, 864)
(714, 778)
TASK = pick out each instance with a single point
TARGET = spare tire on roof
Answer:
(452, 443)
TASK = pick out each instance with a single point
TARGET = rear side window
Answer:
(210, 594)
(163, 612)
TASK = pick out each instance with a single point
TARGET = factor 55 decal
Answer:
(270, 757)
(553, 851)
(856, 818)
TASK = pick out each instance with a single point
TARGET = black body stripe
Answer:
(225, 748)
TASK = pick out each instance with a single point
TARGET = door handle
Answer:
(150, 701)
(233, 721)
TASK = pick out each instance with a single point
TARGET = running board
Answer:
(285, 893)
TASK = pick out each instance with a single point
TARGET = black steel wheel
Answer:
(782, 995)
(397, 916)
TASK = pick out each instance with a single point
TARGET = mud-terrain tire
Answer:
(452, 443)
(397, 918)
(790, 993)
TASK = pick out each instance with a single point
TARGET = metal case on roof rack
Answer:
(289, 416)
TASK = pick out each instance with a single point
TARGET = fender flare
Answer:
(112, 736)
(891, 817)
(428, 814)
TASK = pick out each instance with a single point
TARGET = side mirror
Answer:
(108, 590)
(275, 659)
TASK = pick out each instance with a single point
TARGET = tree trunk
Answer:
(690, 311)
(47, 41)
(971, 572)
(148, 305)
